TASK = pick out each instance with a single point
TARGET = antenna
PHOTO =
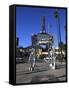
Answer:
(43, 24)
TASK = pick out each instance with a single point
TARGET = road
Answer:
(42, 73)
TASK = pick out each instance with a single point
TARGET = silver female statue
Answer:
(32, 59)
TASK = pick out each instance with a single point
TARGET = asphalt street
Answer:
(42, 73)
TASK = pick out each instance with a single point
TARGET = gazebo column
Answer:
(53, 59)
(50, 54)
(53, 65)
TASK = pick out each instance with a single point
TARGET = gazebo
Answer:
(44, 39)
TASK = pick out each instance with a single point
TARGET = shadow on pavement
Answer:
(45, 78)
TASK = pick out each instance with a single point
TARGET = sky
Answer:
(29, 19)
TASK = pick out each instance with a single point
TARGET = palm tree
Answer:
(56, 15)
(65, 29)
(58, 19)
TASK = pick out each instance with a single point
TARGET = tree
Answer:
(56, 15)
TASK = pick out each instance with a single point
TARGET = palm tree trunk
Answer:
(59, 38)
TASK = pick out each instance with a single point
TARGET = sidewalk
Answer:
(42, 73)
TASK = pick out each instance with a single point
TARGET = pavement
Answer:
(42, 73)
